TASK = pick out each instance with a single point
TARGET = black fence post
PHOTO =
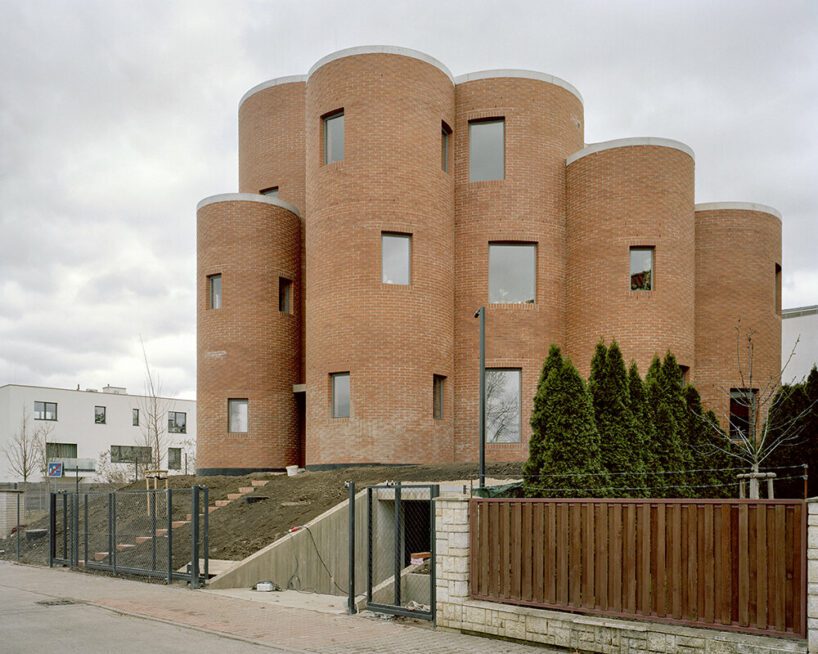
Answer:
(153, 529)
(113, 531)
(18, 526)
(435, 491)
(351, 590)
(110, 529)
(206, 542)
(52, 528)
(170, 535)
(85, 530)
(75, 535)
(369, 545)
(64, 527)
(194, 535)
(398, 548)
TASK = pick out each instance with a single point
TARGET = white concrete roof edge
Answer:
(248, 197)
(379, 49)
(738, 206)
(519, 73)
(593, 148)
(278, 81)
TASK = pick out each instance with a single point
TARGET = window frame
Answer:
(326, 121)
(333, 377)
(104, 414)
(739, 395)
(44, 413)
(652, 278)
(513, 244)
(49, 454)
(179, 461)
(210, 293)
(285, 285)
(270, 192)
(445, 146)
(486, 121)
(397, 235)
(438, 397)
(176, 428)
(135, 417)
(139, 450)
(246, 402)
(519, 438)
(777, 289)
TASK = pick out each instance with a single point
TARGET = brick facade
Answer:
(583, 207)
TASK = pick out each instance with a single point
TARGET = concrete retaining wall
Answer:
(8, 510)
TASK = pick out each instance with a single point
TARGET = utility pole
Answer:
(481, 314)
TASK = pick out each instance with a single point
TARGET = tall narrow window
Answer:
(512, 273)
(214, 291)
(743, 406)
(135, 417)
(642, 269)
(503, 405)
(438, 395)
(445, 134)
(395, 257)
(174, 458)
(486, 149)
(237, 416)
(340, 394)
(334, 137)
(271, 192)
(778, 289)
(285, 295)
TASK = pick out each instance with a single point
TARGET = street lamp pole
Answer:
(481, 314)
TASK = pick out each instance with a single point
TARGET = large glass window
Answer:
(512, 273)
(642, 269)
(340, 394)
(486, 149)
(99, 415)
(395, 257)
(503, 405)
(439, 396)
(177, 422)
(237, 416)
(334, 137)
(742, 411)
(285, 295)
(60, 451)
(131, 454)
(174, 458)
(45, 410)
(214, 291)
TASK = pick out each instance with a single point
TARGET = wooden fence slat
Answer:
(474, 512)
(527, 546)
(602, 555)
(516, 549)
(551, 556)
(781, 568)
(485, 570)
(505, 548)
(692, 612)
(798, 581)
(575, 556)
(539, 553)
(660, 591)
(684, 580)
(752, 525)
(562, 555)
(644, 569)
(588, 570)
(789, 607)
(760, 619)
(496, 574)
(708, 564)
(629, 574)
(725, 581)
(676, 584)
(743, 566)
(615, 540)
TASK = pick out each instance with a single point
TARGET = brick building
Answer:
(382, 201)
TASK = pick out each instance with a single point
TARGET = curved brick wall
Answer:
(736, 254)
(543, 125)
(639, 195)
(247, 348)
(392, 339)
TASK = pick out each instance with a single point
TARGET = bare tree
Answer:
(21, 451)
(109, 472)
(751, 437)
(155, 409)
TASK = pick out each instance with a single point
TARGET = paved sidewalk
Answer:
(278, 627)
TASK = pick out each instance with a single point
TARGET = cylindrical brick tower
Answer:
(391, 338)
(738, 292)
(542, 123)
(631, 199)
(249, 336)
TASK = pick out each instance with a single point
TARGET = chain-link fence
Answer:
(154, 533)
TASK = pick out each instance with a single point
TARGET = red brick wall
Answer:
(392, 339)
(247, 348)
(618, 198)
(736, 254)
(543, 125)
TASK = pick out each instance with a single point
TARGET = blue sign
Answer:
(54, 470)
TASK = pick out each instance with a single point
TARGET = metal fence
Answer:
(153, 533)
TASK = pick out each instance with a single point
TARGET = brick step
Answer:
(259, 482)
(234, 496)
(162, 532)
(179, 523)
(100, 556)
(222, 503)
(143, 539)
(211, 509)
(244, 490)
(124, 547)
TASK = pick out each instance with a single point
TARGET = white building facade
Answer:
(799, 324)
(96, 425)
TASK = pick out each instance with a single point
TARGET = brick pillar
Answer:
(452, 532)
(812, 575)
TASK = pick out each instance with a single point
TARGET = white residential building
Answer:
(83, 424)
(799, 323)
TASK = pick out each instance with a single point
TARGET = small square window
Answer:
(177, 422)
(285, 295)
(45, 410)
(340, 394)
(445, 139)
(503, 405)
(214, 291)
(99, 415)
(395, 258)
(135, 417)
(487, 149)
(642, 269)
(334, 137)
(271, 192)
(174, 458)
(439, 395)
(512, 273)
(237, 411)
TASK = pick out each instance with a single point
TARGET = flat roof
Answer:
(248, 197)
(593, 148)
(797, 312)
(92, 392)
(738, 206)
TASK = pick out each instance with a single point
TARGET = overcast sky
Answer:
(117, 117)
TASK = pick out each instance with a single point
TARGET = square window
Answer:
(340, 394)
(512, 273)
(271, 192)
(174, 458)
(285, 295)
(438, 395)
(99, 415)
(334, 137)
(642, 269)
(445, 138)
(743, 405)
(135, 417)
(177, 422)
(486, 149)
(237, 411)
(395, 258)
(214, 291)
(45, 410)
(503, 405)
(60, 451)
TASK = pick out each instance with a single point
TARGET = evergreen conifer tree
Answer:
(706, 453)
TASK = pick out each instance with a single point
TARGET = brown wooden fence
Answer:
(728, 564)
